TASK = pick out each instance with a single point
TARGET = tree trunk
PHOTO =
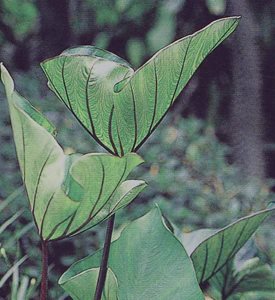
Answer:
(246, 108)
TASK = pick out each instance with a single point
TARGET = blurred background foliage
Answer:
(212, 159)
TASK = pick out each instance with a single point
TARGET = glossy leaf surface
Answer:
(148, 262)
(67, 194)
(119, 106)
(211, 250)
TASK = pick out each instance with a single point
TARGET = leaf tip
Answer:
(144, 183)
(237, 19)
(6, 79)
(135, 158)
(156, 206)
(156, 209)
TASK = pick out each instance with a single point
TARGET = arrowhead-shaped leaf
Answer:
(67, 194)
(210, 250)
(121, 107)
(148, 262)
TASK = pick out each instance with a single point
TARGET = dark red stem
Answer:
(44, 278)
(104, 260)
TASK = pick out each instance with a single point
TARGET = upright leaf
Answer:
(121, 107)
(214, 249)
(148, 262)
(67, 194)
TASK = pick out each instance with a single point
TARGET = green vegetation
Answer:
(128, 105)
(188, 170)
(147, 261)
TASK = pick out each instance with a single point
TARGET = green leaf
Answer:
(192, 239)
(80, 290)
(254, 276)
(67, 194)
(121, 107)
(211, 250)
(148, 262)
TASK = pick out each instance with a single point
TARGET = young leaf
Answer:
(67, 194)
(253, 277)
(81, 290)
(214, 249)
(121, 107)
(148, 262)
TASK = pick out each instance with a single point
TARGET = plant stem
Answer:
(44, 279)
(104, 260)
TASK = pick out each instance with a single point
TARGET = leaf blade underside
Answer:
(217, 247)
(148, 262)
(87, 291)
(121, 107)
(67, 194)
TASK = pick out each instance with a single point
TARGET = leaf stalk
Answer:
(44, 278)
(104, 260)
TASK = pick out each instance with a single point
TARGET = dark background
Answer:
(211, 160)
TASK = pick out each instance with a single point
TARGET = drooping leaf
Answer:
(211, 250)
(253, 277)
(67, 194)
(121, 107)
(148, 262)
(85, 287)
